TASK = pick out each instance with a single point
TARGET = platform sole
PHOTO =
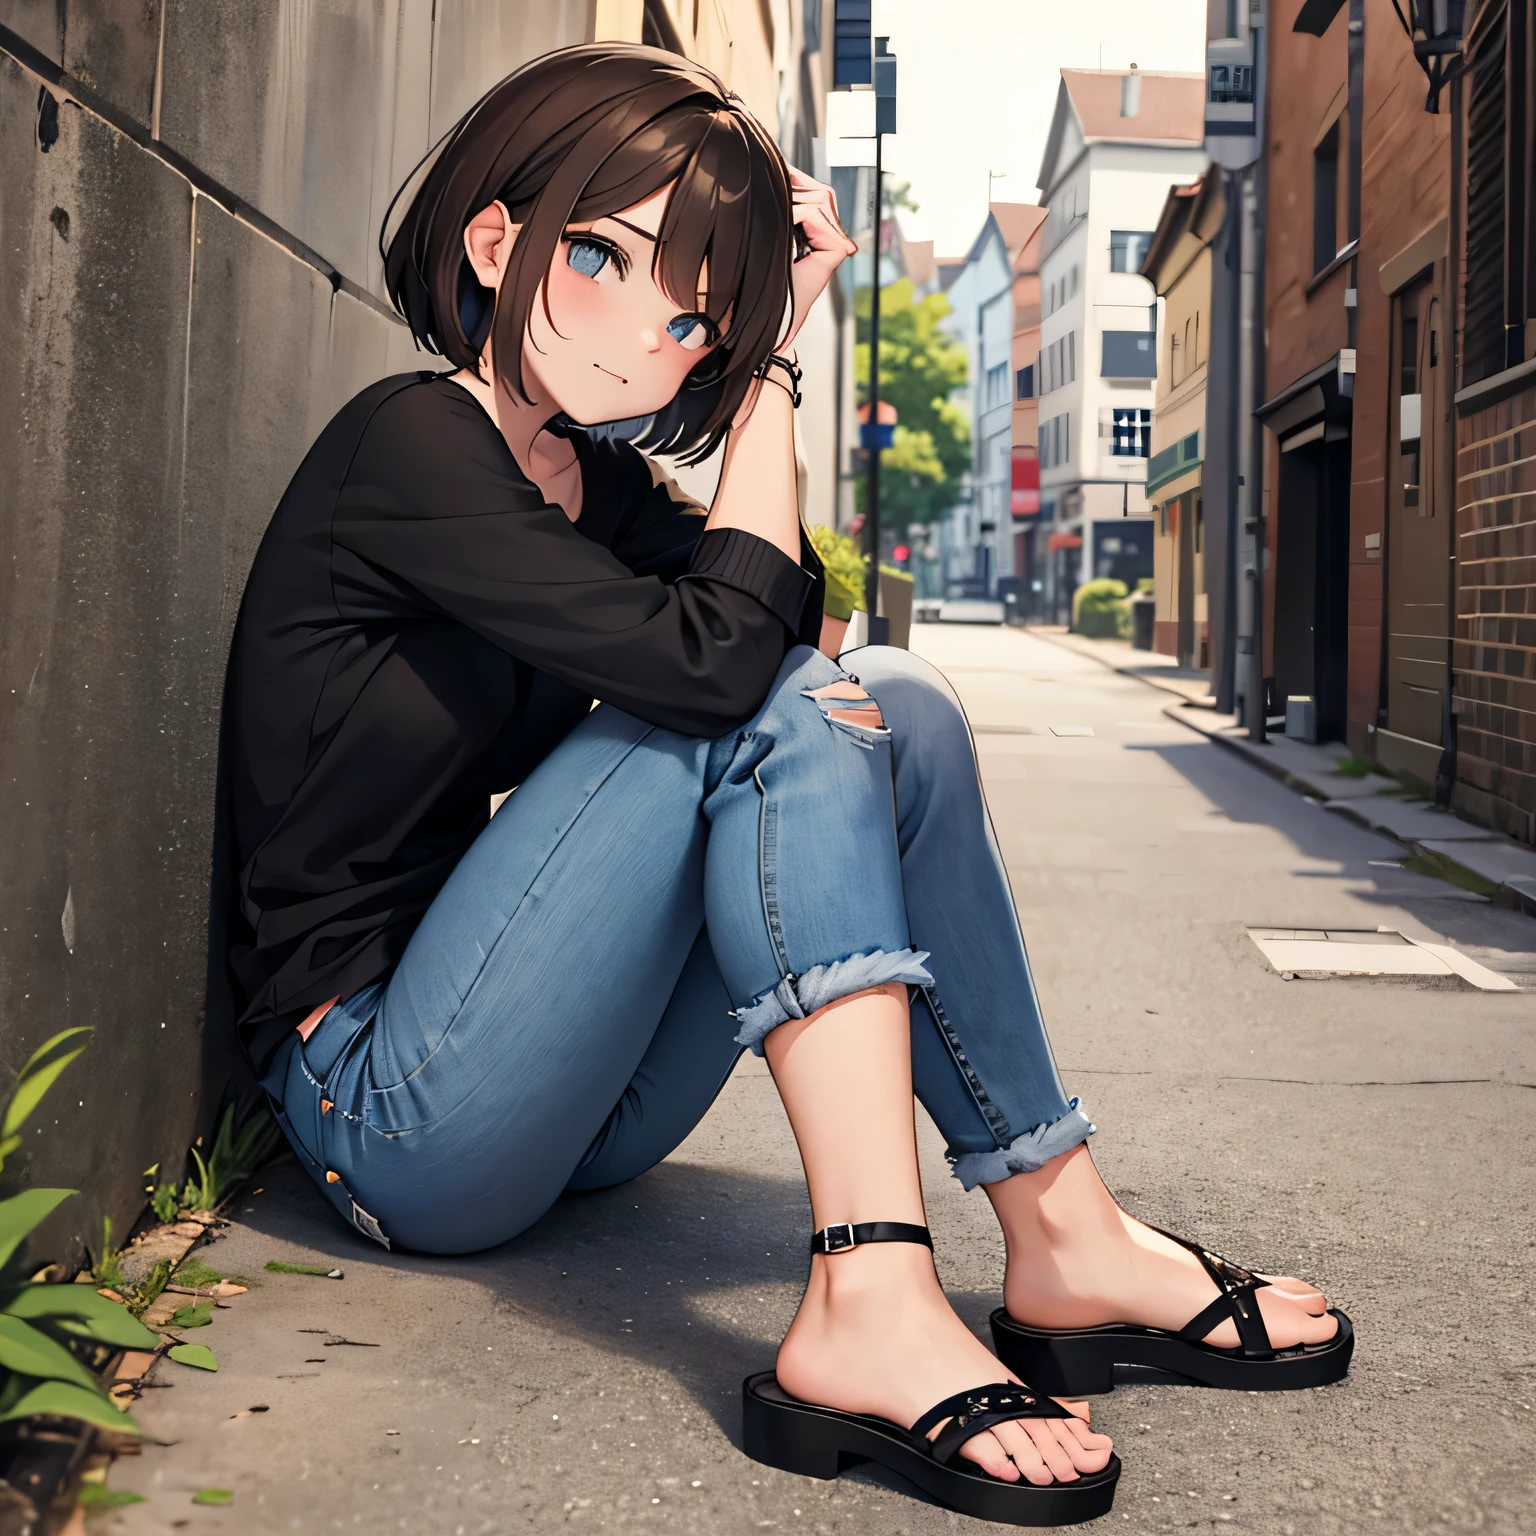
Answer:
(1082, 1362)
(781, 1431)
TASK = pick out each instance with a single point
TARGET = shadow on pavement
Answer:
(1244, 794)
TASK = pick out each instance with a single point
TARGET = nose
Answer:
(650, 340)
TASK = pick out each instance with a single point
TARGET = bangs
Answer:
(584, 134)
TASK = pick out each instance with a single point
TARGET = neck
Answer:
(519, 422)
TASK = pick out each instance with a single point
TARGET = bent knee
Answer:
(847, 702)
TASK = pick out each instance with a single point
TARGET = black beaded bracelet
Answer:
(774, 360)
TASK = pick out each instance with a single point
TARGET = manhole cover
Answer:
(1317, 952)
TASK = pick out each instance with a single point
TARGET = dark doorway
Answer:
(1122, 550)
(1311, 634)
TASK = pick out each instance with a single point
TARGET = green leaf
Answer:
(99, 1496)
(21, 1213)
(66, 1401)
(7, 1146)
(198, 1355)
(198, 1315)
(79, 1311)
(38, 1076)
(30, 1353)
(216, 1496)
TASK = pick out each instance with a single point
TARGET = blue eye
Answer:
(588, 256)
(693, 332)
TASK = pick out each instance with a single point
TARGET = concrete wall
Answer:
(189, 288)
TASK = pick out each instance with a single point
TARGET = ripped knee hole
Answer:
(857, 708)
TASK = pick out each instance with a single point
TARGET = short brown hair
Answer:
(577, 135)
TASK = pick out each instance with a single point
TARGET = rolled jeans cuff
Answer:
(1028, 1152)
(797, 997)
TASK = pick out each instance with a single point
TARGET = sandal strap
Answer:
(973, 1412)
(1237, 1302)
(840, 1236)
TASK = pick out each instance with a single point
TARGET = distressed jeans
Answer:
(644, 907)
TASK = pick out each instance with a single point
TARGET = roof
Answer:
(1170, 112)
(917, 257)
(949, 268)
(1194, 208)
(1016, 222)
(1172, 109)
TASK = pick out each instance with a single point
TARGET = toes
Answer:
(1077, 1410)
(1033, 1465)
(1089, 1452)
(1042, 1435)
(1298, 1291)
(1289, 1324)
(988, 1454)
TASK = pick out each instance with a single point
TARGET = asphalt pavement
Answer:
(1374, 1135)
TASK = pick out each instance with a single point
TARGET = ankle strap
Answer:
(842, 1235)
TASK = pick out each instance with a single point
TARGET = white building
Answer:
(978, 538)
(1118, 140)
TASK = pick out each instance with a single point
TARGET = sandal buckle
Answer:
(839, 1237)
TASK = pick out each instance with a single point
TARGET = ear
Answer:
(488, 243)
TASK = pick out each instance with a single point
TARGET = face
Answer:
(619, 346)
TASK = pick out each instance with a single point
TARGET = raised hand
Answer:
(815, 211)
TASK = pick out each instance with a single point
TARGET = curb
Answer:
(1503, 895)
(1187, 714)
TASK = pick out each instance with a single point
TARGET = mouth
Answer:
(611, 374)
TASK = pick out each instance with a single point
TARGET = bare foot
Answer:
(874, 1334)
(1077, 1260)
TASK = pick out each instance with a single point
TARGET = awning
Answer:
(1024, 491)
(1064, 541)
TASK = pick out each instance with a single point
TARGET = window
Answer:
(1024, 383)
(1055, 441)
(1128, 249)
(1059, 363)
(1325, 199)
(1130, 432)
(1501, 242)
(997, 385)
(1129, 355)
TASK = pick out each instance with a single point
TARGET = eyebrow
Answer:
(635, 228)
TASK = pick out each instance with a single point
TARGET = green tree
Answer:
(920, 367)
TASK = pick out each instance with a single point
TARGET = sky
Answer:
(977, 82)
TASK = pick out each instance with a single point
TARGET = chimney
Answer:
(1130, 93)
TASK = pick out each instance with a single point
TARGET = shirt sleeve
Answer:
(662, 532)
(435, 518)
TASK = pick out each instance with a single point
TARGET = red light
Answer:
(901, 552)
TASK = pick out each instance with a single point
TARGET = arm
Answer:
(436, 520)
(757, 491)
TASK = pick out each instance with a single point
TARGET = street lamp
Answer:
(885, 122)
(1435, 27)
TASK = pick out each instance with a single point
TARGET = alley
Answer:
(1375, 1136)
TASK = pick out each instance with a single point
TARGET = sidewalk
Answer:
(1472, 856)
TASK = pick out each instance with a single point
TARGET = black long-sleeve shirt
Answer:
(419, 630)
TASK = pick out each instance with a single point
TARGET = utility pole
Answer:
(879, 628)
(885, 122)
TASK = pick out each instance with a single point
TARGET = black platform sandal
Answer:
(1078, 1362)
(781, 1431)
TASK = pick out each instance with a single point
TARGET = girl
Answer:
(458, 1018)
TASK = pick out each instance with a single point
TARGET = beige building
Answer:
(1178, 264)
